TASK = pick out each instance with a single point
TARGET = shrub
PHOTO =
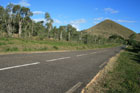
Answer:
(1, 43)
(55, 47)
(11, 49)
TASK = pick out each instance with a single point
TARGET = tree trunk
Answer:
(32, 28)
(20, 28)
(9, 30)
(49, 30)
(29, 34)
(61, 35)
(69, 36)
(80, 37)
(95, 40)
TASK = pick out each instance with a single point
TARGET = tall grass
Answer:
(125, 78)
(18, 44)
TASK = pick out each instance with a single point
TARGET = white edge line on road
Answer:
(57, 59)
(12, 67)
(76, 86)
(81, 55)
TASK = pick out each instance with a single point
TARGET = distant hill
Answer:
(108, 27)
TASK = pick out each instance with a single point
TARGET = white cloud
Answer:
(57, 21)
(38, 12)
(39, 19)
(76, 26)
(110, 10)
(125, 21)
(77, 23)
(24, 3)
(96, 22)
(99, 18)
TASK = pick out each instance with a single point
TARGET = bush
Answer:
(55, 47)
(43, 48)
(1, 43)
(11, 49)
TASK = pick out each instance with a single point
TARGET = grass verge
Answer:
(25, 45)
(123, 78)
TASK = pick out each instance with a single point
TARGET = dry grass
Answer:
(108, 28)
(22, 45)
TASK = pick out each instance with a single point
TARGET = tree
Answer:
(71, 32)
(117, 38)
(49, 21)
(9, 19)
(61, 30)
(39, 29)
(131, 40)
(21, 13)
(85, 39)
(2, 22)
(132, 36)
(27, 27)
(55, 32)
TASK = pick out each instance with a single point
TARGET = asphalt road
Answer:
(53, 72)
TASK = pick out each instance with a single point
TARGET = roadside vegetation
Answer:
(125, 78)
(23, 45)
(125, 75)
(18, 32)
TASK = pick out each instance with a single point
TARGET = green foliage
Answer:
(132, 36)
(135, 44)
(15, 22)
(10, 49)
(55, 47)
(118, 39)
(18, 44)
(2, 43)
(125, 77)
(42, 49)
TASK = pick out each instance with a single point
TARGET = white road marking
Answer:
(76, 86)
(12, 67)
(81, 55)
(57, 59)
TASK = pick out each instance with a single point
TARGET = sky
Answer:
(83, 14)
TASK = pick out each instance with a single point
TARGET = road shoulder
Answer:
(93, 85)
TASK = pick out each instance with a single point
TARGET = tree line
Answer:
(15, 21)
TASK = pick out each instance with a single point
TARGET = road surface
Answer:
(53, 72)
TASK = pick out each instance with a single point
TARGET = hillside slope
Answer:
(138, 37)
(108, 28)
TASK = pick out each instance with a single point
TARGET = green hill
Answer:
(108, 27)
